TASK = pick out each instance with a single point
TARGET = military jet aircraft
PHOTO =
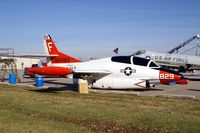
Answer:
(117, 72)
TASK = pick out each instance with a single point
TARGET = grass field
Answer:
(32, 110)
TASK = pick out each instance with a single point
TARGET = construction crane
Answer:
(183, 44)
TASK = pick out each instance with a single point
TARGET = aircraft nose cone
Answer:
(177, 77)
(166, 76)
(183, 80)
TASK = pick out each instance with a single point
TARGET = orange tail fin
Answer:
(57, 56)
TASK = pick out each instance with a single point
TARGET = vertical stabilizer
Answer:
(57, 56)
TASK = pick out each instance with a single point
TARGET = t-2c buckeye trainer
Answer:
(117, 72)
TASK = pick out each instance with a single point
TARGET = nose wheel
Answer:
(148, 85)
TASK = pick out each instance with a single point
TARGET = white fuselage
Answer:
(121, 75)
(117, 72)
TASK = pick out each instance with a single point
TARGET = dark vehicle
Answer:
(27, 72)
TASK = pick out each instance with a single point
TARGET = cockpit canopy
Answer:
(139, 52)
(135, 60)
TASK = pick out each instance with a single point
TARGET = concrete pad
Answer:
(192, 90)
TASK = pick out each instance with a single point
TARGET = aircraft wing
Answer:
(168, 65)
(36, 55)
(90, 73)
(30, 56)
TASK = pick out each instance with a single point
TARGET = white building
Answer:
(22, 62)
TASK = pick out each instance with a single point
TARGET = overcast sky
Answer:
(93, 28)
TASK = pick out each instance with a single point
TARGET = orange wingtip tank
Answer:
(51, 71)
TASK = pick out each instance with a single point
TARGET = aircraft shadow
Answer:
(31, 81)
(55, 89)
(55, 83)
(194, 90)
(50, 81)
(145, 89)
(148, 89)
(45, 81)
(194, 79)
